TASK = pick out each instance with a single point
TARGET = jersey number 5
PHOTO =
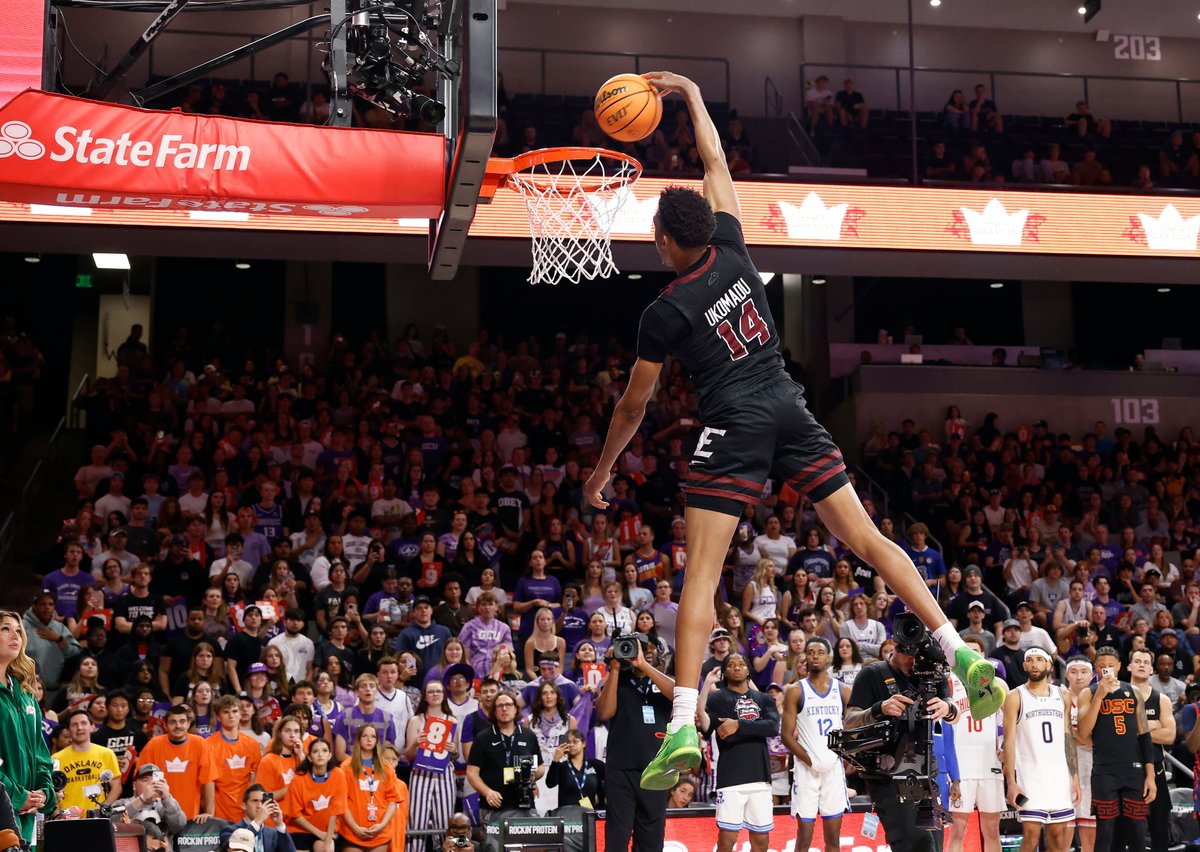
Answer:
(752, 328)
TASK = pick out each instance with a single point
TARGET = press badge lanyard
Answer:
(579, 778)
(509, 743)
(643, 688)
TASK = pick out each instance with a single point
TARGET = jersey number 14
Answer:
(751, 326)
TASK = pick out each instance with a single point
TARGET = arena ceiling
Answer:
(1145, 17)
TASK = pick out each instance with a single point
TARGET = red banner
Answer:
(699, 834)
(69, 152)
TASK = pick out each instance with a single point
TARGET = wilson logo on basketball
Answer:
(609, 94)
(167, 151)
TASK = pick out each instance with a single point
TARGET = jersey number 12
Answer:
(752, 328)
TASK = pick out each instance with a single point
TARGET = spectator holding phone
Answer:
(263, 819)
(152, 802)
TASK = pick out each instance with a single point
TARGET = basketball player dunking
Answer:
(714, 318)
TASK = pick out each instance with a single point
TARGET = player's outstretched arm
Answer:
(627, 416)
(718, 185)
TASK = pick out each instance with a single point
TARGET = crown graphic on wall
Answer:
(995, 226)
(177, 764)
(1170, 231)
(812, 220)
(628, 214)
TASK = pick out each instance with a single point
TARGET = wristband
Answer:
(1147, 748)
(876, 710)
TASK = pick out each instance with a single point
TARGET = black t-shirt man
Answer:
(497, 755)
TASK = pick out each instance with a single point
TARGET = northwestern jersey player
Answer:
(1040, 762)
(813, 707)
(714, 318)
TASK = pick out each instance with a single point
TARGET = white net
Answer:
(572, 204)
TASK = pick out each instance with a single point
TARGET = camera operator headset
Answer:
(635, 700)
(504, 763)
(884, 689)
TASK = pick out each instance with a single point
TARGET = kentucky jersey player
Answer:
(715, 320)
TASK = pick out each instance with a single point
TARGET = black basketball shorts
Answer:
(769, 432)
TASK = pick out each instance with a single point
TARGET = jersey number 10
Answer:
(752, 328)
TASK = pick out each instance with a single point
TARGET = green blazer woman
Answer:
(25, 772)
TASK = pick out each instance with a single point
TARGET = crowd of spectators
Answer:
(404, 529)
(970, 140)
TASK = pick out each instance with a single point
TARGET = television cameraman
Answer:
(635, 700)
(504, 764)
(888, 689)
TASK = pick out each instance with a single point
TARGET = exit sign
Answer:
(83, 281)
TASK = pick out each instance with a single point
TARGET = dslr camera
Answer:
(625, 646)
(900, 748)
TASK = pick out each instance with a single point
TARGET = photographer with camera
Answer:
(458, 834)
(635, 700)
(890, 690)
(504, 763)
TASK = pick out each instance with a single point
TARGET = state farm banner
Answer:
(69, 152)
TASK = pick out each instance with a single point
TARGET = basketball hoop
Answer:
(572, 196)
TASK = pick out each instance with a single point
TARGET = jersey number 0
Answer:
(752, 327)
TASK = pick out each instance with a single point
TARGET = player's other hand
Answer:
(593, 487)
(668, 81)
(1014, 792)
(1075, 792)
(1149, 789)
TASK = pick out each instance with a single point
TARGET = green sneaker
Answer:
(679, 752)
(985, 692)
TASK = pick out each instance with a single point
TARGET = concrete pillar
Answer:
(119, 312)
(1048, 314)
(308, 316)
(413, 298)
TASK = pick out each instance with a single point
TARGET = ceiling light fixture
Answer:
(1089, 9)
(33, 258)
(819, 279)
(935, 3)
(105, 260)
(241, 264)
(997, 285)
(635, 276)
(1164, 289)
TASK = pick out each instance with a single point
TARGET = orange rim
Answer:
(500, 170)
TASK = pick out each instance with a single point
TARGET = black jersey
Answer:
(1115, 737)
(744, 757)
(715, 319)
(1153, 712)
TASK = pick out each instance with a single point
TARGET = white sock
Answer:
(683, 708)
(947, 637)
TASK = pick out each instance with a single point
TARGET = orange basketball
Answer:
(628, 108)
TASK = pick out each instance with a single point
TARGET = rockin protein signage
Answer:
(83, 155)
(66, 159)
